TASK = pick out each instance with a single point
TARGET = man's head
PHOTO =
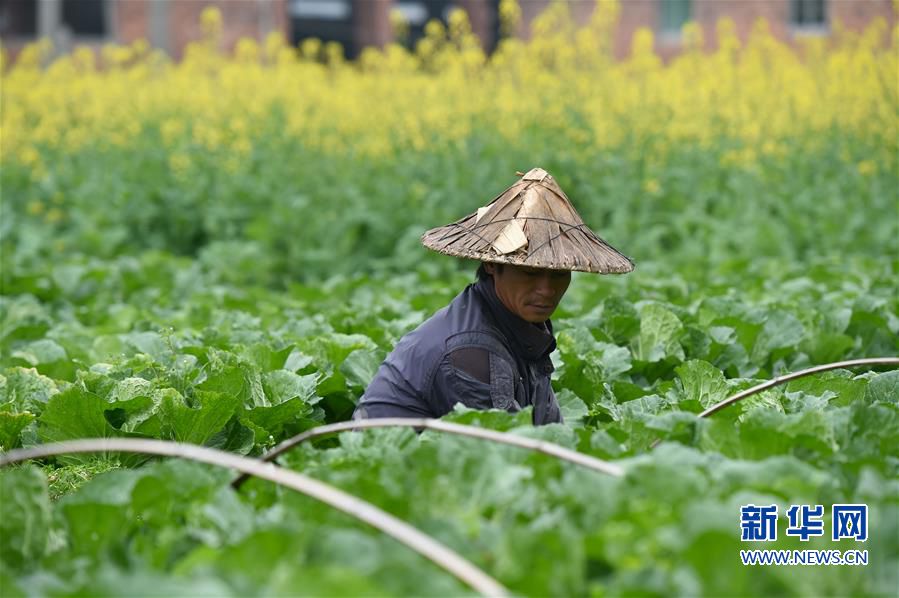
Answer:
(532, 294)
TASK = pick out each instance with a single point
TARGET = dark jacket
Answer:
(473, 351)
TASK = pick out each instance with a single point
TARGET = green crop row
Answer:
(163, 347)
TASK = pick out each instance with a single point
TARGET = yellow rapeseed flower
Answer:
(35, 207)
(54, 215)
(763, 96)
(866, 167)
(652, 186)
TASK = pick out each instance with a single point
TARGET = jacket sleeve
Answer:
(474, 377)
(553, 411)
(390, 395)
(380, 409)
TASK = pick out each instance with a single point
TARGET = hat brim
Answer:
(532, 224)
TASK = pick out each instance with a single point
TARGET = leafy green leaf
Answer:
(845, 390)
(573, 409)
(95, 516)
(702, 382)
(242, 383)
(360, 367)
(659, 332)
(199, 423)
(75, 413)
(781, 330)
(620, 320)
(495, 419)
(283, 385)
(269, 423)
(47, 356)
(26, 517)
(883, 388)
(11, 426)
(27, 390)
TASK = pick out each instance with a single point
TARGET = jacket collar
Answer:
(530, 342)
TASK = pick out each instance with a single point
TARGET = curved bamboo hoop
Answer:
(540, 446)
(399, 530)
(800, 374)
(786, 378)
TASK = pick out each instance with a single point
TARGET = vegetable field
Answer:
(221, 251)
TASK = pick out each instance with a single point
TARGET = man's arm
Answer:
(390, 395)
(474, 377)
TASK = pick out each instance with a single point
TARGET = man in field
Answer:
(490, 347)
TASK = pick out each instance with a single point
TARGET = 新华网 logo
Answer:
(758, 523)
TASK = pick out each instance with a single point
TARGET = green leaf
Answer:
(781, 330)
(297, 360)
(495, 419)
(674, 425)
(47, 356)
(148, 343)
(329, 354)
(573, 408)
(843, 388)
(75, 413)
(11, 426)
(234, 437)
(883, 388)
(268, 423)
(264, 357)
(41, 352)
(613, 359)
(23, 318)
(360, 368)
(243, 383)
(27, 390)
(25, 517)
(702, 382)
(282, 385)
(745, 332)
(588, 363)
(828, 347)
(624, 391)
(96, 520)
(196, 425)
(166, 492)
(620, 320)
(660, 329)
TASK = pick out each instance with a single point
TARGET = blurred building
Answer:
(166, 24)
(171, 24)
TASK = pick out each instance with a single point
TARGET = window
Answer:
(18, 18)
(673, 14)
(85, 17)
(808, 13)
(325, 20)
(40, 18)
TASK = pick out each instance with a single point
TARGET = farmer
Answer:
(490, 347)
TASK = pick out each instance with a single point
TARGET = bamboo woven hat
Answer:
(532, 223)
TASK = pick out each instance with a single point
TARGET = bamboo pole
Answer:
(399, 530)
(800, 374)
(786, 378)
(540, 446)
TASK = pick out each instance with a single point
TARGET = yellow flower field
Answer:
(391, 101)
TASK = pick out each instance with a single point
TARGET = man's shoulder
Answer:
(462, 323)
(463, 320)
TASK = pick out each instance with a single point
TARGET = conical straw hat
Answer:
(532, 223)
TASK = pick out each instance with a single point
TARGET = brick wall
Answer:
(856, 14)
(131, 20)
(180, 20)
(853, 14)
(240, 18)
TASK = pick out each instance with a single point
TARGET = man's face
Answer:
(532, 294)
